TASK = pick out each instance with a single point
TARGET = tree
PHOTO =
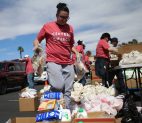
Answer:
(130, 42)
(123, 43)
(135, 41)
(20, 49)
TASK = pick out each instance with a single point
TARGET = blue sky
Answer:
(21, 20)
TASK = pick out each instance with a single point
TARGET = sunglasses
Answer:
(64, 17)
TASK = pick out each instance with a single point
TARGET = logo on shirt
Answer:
(61, 36)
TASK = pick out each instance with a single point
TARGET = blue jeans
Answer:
(30, 80)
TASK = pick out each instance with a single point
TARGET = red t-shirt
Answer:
(59, 42)
(29, 67)
(102, 49)
(79, 48)
(87, 62)
(87, 59)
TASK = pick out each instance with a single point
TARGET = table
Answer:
(136, 70)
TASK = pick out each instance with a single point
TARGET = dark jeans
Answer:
(101, 69)
(83, 80)
(120, 85)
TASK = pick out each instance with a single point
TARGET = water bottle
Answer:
(81, 113)
(80, 122)
(66, 115)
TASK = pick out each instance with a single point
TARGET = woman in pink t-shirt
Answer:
(87, 66)
(79, 48)
(87, 61)
(59, 38)
(102, 58)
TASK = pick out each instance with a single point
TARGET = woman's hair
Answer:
(79, 42)
(88, 53)
(83, 46)
(62, 7)
(105, 35)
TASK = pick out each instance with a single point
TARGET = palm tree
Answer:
(20, 49)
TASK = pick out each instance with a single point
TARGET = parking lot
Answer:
(9, 105)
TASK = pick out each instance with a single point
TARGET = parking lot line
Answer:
(13, 100)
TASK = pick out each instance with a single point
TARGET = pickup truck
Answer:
(12, 74)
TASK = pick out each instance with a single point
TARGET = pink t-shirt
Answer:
(59, 42)
(87, 62)
(79, 48)
(87, 59)
(102, 49)
(29, 67)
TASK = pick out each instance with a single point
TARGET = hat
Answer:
(114, 39)
(26, 56)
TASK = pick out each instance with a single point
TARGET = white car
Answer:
(41, 78)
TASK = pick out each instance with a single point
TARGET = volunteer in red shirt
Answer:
(59, 38)
(87, 61)
(29, 71)
(79, 48)
(87, 65)
(83, 54)
(102, 58)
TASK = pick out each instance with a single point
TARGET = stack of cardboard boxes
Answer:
(94, 77)
(31, 104)
(26, 105)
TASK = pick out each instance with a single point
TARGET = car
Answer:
(41, 78)
(12, 74)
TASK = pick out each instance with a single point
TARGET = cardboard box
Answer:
(22, 120)
(28, 104)
(94, 77)
(85, 120)
(96, 117)
(28, 120)
(118, 120)
(131, 83)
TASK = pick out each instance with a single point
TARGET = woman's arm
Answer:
(74, 50)
(36, 44)
(113, 50)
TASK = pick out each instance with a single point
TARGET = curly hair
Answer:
(62, 7)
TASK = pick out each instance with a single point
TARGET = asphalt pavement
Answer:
(9, 105)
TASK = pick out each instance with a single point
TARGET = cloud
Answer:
(90, 18)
